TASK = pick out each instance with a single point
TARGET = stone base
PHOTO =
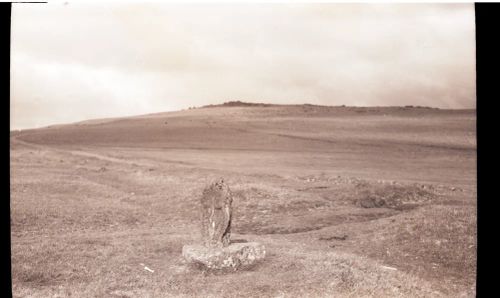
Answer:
(234, 256)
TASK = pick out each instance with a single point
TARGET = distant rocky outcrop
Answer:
(237, 103)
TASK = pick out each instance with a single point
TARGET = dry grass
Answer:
(341, 211)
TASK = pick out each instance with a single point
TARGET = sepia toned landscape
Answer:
(243, 150)
(349, 202)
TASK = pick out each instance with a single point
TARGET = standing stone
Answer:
(216, 250)
(216, 215)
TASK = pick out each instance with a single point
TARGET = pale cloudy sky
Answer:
(74, 62)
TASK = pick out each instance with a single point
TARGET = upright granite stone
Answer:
(216, 214)
(216, 250)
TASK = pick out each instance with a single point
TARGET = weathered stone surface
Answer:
(216, 251)
(216, 214)
(234, 256)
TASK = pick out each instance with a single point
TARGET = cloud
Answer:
(75, 62)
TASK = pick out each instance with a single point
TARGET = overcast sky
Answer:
(74, 62)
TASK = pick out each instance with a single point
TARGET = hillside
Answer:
(374, 137)
(350, 201)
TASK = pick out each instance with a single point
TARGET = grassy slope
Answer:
(93, 201)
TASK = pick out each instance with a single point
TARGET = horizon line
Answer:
(241, 104)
